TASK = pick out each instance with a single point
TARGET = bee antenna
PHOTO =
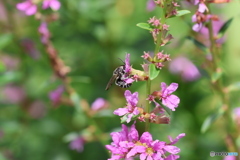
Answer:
(121, 60)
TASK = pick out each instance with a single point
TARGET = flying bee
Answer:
(119, 75)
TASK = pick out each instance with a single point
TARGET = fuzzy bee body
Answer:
(119, 75)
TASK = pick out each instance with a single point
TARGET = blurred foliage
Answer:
(90, 36)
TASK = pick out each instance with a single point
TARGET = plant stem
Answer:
(219, 88)
(157, 49)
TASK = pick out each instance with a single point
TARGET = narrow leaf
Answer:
(199, 44)
(181, 13)
(224, 27)
(153, 71)
(211, 119)
(145, 26)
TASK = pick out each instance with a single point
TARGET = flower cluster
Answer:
(157, 28)
(131, 111)
(201, 16)
(29, 7)
(158, 59)
(127, 145)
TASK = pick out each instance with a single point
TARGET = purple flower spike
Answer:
(131, 109)
(28, 7)
(127, 144)
(127, 63)
(171, 101)
(77, 144)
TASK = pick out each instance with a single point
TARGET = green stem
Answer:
(147, 109)
(219, 88)
(157, 49)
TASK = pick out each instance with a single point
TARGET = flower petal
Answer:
(173, 141)
(31, 10)
(120, 111)
(146, 138)
(171, 102)
(55, 5)
(172, 87)
(172, 149)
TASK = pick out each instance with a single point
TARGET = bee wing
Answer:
(111, 81)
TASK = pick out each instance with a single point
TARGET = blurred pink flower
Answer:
(37, 109)
(230, 158)
(77, 144)
(98, 104)
(13, 94)
(56, 94)
(28, 7)
(30, 48)
(150, 5)
(11, 63)
(236, 115)
(216, 27)
(183, 66)
(53, 4)
(45, 34)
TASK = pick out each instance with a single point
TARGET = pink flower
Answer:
(169, 100)
(98, 104)
(150, 5)
(45, 34)
(56, 94)
(202, 7)
(131, 109)
(146, 55)
(127, 144)
(183, 66)
(77, 144)
(127, 63)
(28, 7)
(53, 4)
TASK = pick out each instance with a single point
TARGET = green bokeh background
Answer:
(90, 36)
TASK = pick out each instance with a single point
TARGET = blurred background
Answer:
(37, 119)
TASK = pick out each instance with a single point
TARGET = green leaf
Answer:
(182, 12)
(224, 27)
(5, 39)
(234, 87)
(124, 118)
(211, 119)
(216, 76)
(199, 44)
(153, 71)
(145, 26)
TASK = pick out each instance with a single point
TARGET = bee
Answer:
(119, 75)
